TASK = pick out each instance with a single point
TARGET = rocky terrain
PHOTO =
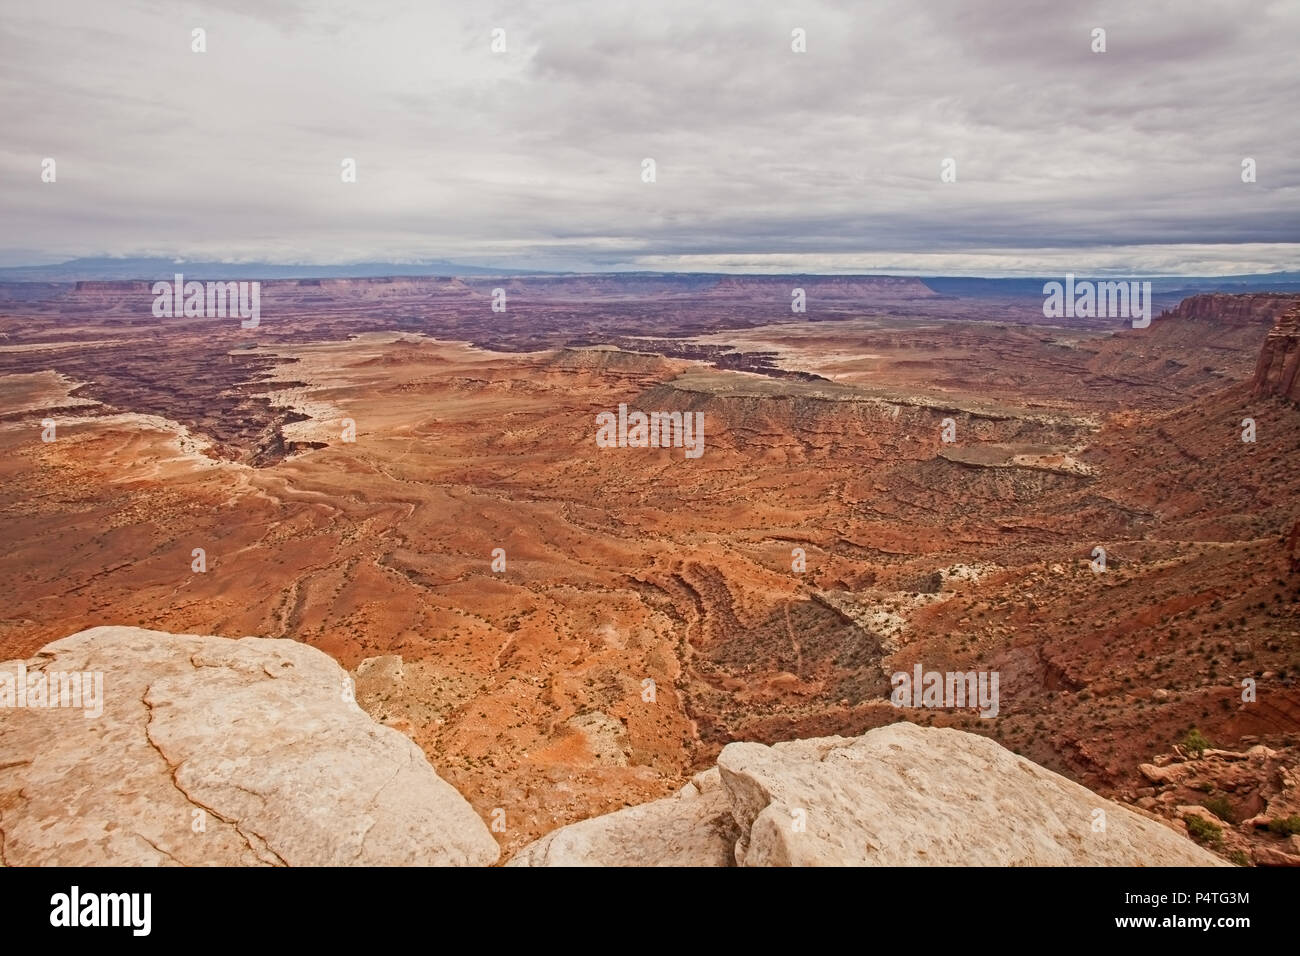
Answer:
(646, 610)
(206, 750)
(1243, 804)
(203, 373)
(215, 751)
(900, 795)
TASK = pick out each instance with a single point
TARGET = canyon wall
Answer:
(1252, 308)
(1275, 373)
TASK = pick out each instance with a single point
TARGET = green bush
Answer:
(1204, 832)
(1195, 742)
(1285, 825)
(1220, 807)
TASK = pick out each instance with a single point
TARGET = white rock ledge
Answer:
(900, 795)
(213, 751)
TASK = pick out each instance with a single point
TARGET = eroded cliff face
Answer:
(1254, 308)
(1279, 359)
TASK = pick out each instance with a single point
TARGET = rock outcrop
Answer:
(1227, 308)
(900, 795)
(693, 827)
(1279, 359)
(212, 751)
(1247, 802)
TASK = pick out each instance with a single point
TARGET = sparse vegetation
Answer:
(1203, 831)
(1285, 826)
(1220, 807)
(1194, 742)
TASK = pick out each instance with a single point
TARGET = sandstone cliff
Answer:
(1279, 359)
(211, 751)
(1224, 308)
(900, 795)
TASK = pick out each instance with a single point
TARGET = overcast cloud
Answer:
(767, 160)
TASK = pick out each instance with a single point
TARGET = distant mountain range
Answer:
(109, 269)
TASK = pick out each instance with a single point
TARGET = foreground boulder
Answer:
(693, 827)
(213, 751)
(900, 795)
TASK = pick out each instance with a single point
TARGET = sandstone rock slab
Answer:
(218, 751)
(900, 795)
(904, 795)
(693, 827)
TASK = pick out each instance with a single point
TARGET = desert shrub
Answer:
(1220, 807)
(1203, 831)
(1239, 857)
(1285, 825)
(1194, 742)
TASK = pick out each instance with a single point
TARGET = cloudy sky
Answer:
(766, 159)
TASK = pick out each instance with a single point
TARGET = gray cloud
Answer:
(828, 159)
